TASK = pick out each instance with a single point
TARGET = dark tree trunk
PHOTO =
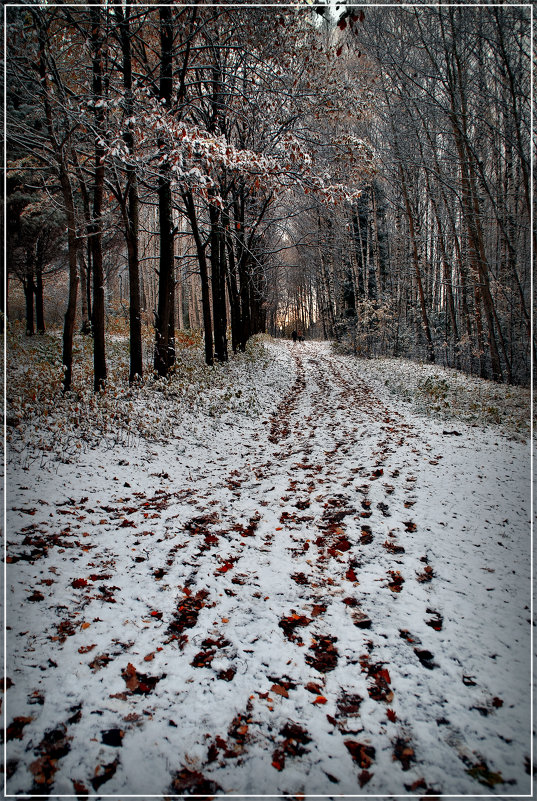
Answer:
(415, 260)
(233, 292)
(69, 206)
(29, 288)
(98, 317)
(131, 211)
(164, 324)
(85, 327)
(204, 276)
(39, 301)
(218, 287)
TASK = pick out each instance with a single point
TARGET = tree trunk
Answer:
(218, 287)
(132, 207)
(233, 290)
(164, 346)
(204, 276)
(416, 262)
(69, 206)
(85, 327)
(29, 288)
(70, 314)
(99, 356)
(39, 300)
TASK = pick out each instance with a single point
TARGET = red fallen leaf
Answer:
(80, 788)
(103, 773)
(377, 473)
(364, 777)
(158, 615)
(351, 575)
(14, 730)
(361, 753)
(129, 675)
(312, 687)
(410, 525)
(395, 585)
(85, 649)
(225, 567)
(342, 544)
(278, 760)
(383, 673)
(320, 700)
(391, 715)
(404, 753)
(279, 690)
(78, 583)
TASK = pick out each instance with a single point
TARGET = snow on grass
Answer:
(447, 393)
(45, 423)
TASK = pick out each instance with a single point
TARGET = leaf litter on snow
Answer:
(216, 616)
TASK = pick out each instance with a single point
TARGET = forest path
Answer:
(316, 605)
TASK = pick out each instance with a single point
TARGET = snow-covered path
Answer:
(334, 601)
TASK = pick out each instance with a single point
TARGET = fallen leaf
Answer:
(85, 649)
(15, 728)
(320, 700)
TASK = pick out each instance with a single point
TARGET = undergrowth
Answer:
(450, 394)
(44, 422)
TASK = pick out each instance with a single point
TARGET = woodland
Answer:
(239, 562)
(359, 174)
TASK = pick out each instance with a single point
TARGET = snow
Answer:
(302, 463)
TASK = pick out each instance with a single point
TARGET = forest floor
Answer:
(302, 586)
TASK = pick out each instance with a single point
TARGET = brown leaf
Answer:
(85, 649)
(364, 777)
(279, 690)
(15, 728)
(361, 753)
(103, 773)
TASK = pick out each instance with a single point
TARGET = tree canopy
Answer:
(362, 174)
